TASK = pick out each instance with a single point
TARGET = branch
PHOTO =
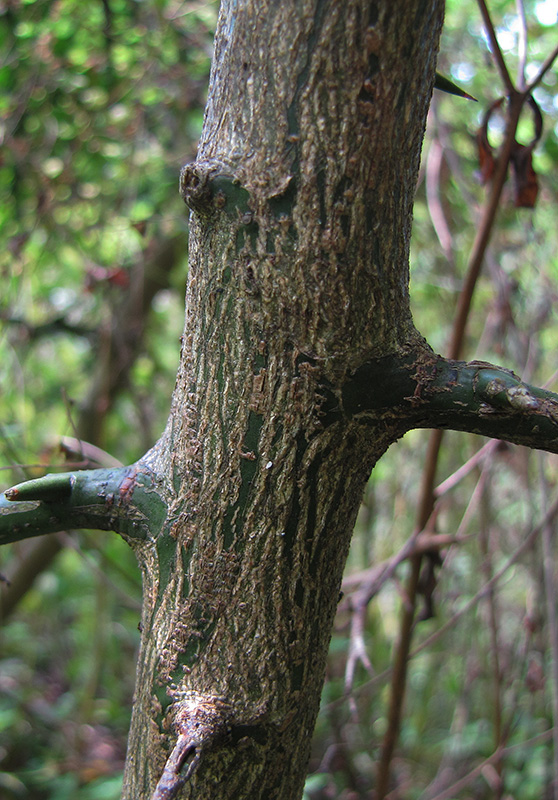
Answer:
(521, 45)
(542, 71)
(51, 327)
(119, 346)
(549, 580)
(428, 391)
(125, 500)
(200, 721)
(495, 47)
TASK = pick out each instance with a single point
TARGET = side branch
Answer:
(200, 723)
(428, 391)
(124, 500)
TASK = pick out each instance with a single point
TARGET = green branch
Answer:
(428, 391)
(125, 500)
(419, 391)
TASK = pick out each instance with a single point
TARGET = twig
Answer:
(522, 44)
(498, 754)
(472, 506)
(398, 682)
(527, 543)
(426, 505)
(486, 566)
(180, 766)
(357, 649)
(542, 72)
(398, 671)
(552, 620)
(485, 229)
(200, 722)
(451, 482)
(372, 581)
(434, 164)
(498, 575)
(495, 47)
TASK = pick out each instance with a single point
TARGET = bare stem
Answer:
(398, 681)
(426, 504)
(493, 616)
(548, 532)
(522, 44)
(495, 47)
(542, 72)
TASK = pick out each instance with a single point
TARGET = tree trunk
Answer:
(300, 365)
(301, 199)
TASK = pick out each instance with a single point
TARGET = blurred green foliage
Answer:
(100, 105)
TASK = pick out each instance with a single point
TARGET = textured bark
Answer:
(300, 365)
(301, 200)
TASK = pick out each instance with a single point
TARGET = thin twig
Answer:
(498, 754)
(426, 505)
(522, 44)
(456, 477)
(485, 229)
(498, 575)
(398, 682)
(552, 620)
(495, 47)
(357, 650)
(180, 766)
(450, 623)
(542, 72)
(372, 580)
(427, 643)
(493, 617)
(434, 163)
(526, 544)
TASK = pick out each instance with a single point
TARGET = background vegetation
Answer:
(100, 105)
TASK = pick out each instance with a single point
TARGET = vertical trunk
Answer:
(301, 201)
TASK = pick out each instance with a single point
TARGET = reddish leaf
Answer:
(118, 276)
(487, 162)
(140, 226)
(525, 184)
(486, 158)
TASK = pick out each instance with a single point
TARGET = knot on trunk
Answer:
(200, 721)
(202, 718)
(209, 186)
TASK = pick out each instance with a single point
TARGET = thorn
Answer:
(445, 85)
(51, 488)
